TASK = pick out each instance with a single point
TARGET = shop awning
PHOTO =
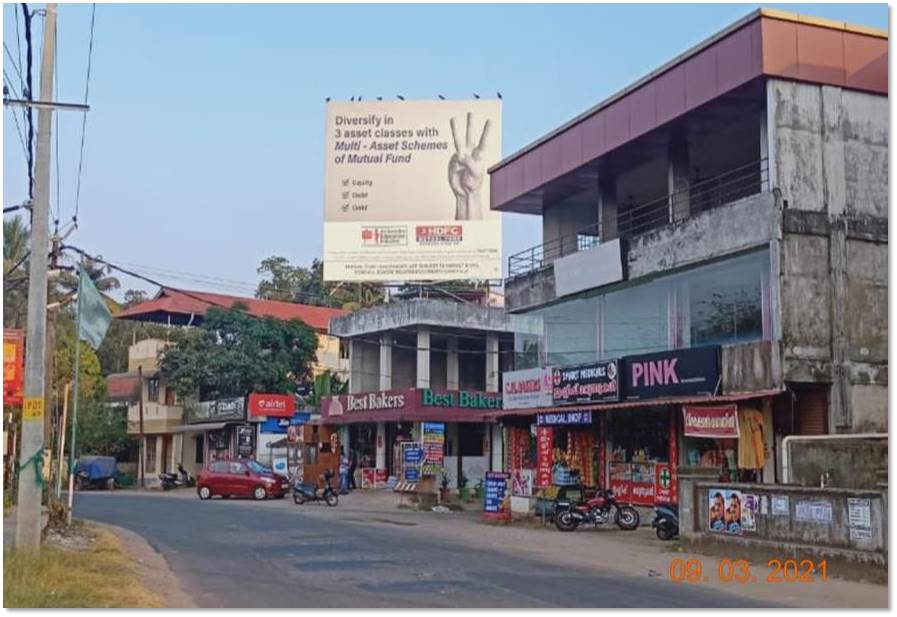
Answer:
(207, 426)
(673, 400)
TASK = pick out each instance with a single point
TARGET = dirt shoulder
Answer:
(151, 568)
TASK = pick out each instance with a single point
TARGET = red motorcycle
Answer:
(596, 510)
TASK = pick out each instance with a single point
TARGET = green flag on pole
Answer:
(94, 315)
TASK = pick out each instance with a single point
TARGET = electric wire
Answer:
(16, 118)
(27, 95)
(93, 15)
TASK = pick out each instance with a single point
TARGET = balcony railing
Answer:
(634, 220)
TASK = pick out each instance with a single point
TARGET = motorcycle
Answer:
(182, 479)
(666, 521)
(310, 492)
(597, 511)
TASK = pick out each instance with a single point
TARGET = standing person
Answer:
(343, 472)
(353, 464)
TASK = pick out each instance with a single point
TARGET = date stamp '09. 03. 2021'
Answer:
(739, 571)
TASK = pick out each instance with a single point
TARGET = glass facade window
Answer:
(720, 303)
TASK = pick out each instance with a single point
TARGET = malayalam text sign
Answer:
(406, 191)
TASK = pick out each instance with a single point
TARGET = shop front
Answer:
(622, 424)
(383, 429)
(220, 428)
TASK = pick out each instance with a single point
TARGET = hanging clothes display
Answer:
(751, 452)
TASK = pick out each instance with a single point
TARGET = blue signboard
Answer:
(414, 454)
(497, 503)
(278, 426)
(564, 418)
(412, 474)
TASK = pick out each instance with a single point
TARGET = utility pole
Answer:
(28, 509)
(141, 443)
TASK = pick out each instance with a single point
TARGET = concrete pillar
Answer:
(451, 364)
(496, 449)
(492, 371)
(679, 174)
(380, 462)
(386, 361)
(159, 462)
(689, 509)
(423, 358)
(607, 206)
(356, 361)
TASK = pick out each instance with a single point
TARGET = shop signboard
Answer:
(527, 388)
(596, 382)
(245, 441)
(461, 399)
(565, 418)
(406, 193)
(271, 405)
(497, 497)
(633, 482)
(220, 410)
(713, 422)
(13, 366)
(665, 484)
(679, 372)
(280, 426)
(433, 446)
(373, 478)
(544, 447)
(410, 404)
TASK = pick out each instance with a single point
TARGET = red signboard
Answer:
(272, 405)
(373, 478)
(13, 366)
(719, 422)
(633, 482)
(544, 445)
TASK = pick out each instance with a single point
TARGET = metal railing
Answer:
(633, 220)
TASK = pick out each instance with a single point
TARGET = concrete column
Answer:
(607, 206)
(451, 364)
(159, 461)
(492, 372)
(689, 510)
(423, 358)
(678, 174)
(380, 462)
(356, 361)
(386, 361)
(496, 449)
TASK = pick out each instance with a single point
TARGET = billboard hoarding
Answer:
(406, 191)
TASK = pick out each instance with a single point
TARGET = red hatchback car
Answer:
(240, 478)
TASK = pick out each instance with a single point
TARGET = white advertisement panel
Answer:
(527, 389)
(406, 192)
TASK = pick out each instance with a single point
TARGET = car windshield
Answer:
(257, 467)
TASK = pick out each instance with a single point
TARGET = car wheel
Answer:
(259, 493)
(204, 492)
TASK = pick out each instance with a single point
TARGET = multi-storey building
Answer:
(731, 205)
(174, 435)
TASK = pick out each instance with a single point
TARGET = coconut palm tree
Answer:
(16, 236)
(98, 273)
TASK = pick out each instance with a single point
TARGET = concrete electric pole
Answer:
(28, 509)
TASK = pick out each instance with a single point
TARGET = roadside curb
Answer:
(151, 567)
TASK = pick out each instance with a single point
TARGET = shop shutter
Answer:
(811, 409)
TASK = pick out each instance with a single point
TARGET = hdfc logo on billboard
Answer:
(439, 234)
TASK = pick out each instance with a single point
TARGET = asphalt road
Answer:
(270, 555)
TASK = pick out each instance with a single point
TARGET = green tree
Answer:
(234, 353)
(16, 237)
(283, 281)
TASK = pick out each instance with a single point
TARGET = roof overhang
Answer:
(765, 43)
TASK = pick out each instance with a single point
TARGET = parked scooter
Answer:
(597, 511)
(182, 479)
(666, 521)
(310, 492)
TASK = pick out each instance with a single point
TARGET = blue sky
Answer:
(204, 148)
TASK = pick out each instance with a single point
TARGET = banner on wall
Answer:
(717, 422)
(544, 449)
(406, 191)
(527, 388)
